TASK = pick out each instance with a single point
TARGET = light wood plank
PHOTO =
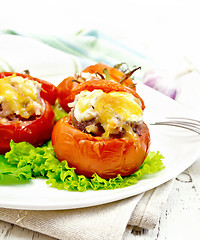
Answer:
(181, 216)
(12, 232)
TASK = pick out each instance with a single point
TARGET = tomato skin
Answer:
(35, 131)
(48, 91)
(114, 73)
(106, 157)
(64, 92)
(67, 89)
(105, 85)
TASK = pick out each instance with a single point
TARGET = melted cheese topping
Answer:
(112, 110)
(20, 96)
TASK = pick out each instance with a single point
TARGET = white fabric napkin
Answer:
(19, 53)
(108, 221)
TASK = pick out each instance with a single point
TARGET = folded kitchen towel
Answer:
(107, 221)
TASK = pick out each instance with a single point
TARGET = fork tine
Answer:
(187, 119)
(194, 125)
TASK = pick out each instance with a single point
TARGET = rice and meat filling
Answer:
(108, 115)
(19, 99)
(96, 129)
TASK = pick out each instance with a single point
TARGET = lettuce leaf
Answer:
(59, 111)
(16, 173)
(25, 162)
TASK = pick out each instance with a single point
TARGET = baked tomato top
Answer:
(48, 90)
(114, 73)
(25, 110)
(71, 86)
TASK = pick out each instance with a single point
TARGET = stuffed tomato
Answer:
(67, 89)
(104, 132)
(25, 109)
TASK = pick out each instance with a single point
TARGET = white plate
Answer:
(180, 148)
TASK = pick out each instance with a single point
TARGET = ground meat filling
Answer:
(84, 126)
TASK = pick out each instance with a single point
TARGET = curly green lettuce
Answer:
(25, 162)
(59, 111)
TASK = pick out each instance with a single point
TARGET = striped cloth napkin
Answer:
(92, 46)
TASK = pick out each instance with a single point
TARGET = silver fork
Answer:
(187, 123)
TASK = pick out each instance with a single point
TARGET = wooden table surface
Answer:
(179, 220)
